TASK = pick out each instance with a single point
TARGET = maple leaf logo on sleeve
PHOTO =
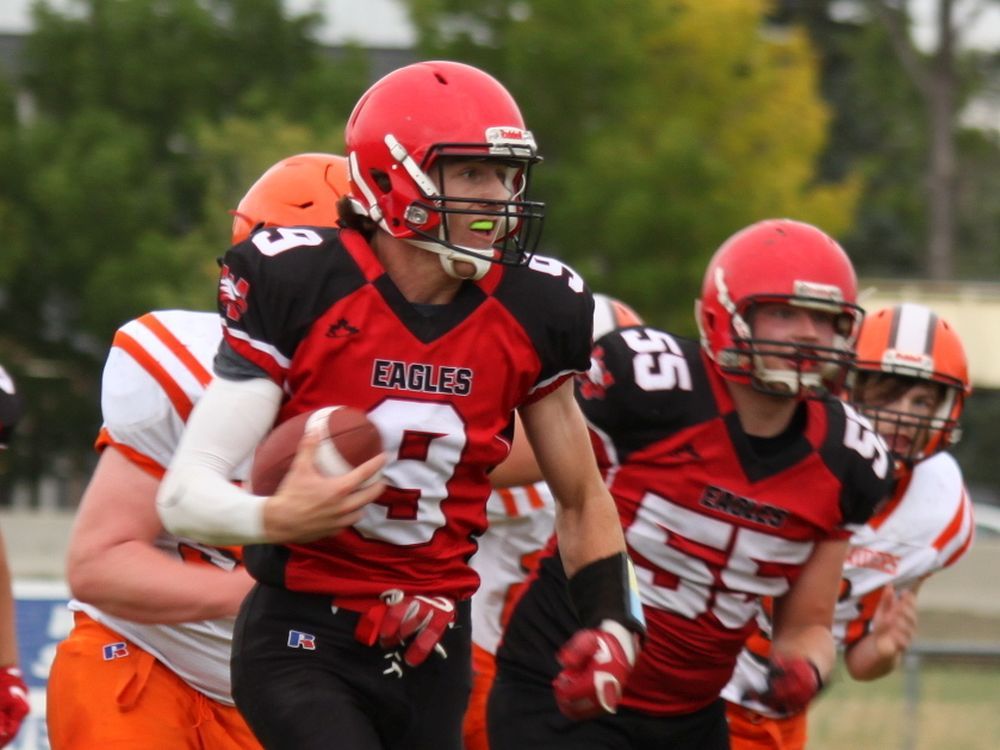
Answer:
(233, 294)
(596, 381)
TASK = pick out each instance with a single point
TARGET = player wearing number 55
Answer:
(428, 311)
(736, 476)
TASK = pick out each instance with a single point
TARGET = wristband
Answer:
(820, 684)
(607, 589)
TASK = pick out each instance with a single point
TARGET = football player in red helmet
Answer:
(779, 271)
(706, 448)
(521, 517)
(302, 190)
(911, 379)
(428, 310)
(417, 177)
(152, 610)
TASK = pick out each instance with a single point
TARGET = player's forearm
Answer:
(196, 498)
(866, 660)
(803, 617)
(138, 582)
(812, 641)
(586, 518)
(588, 530)
(196, 502)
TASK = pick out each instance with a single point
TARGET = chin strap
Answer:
(449, 257)
(786, 382)
(795, 382)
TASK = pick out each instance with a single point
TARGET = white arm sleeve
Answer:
(196, 498)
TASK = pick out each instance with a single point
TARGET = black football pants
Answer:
(303, 682)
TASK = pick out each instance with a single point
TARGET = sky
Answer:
(383, 23)
(380, 23)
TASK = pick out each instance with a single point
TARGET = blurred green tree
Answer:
(666, 125)
(928, 208)
(147, 121)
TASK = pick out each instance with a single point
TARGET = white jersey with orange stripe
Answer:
(521, 521)
(926, 528)
(157, 369)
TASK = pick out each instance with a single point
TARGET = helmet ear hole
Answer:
(381, 180)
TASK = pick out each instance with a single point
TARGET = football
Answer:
(348, 439)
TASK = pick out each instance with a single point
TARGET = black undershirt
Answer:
(765, 447)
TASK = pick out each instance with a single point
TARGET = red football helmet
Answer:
(402, 128)
(301, 190)
(778, 261)
(611, 313)
(912, 343)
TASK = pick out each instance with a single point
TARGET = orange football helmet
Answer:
(911, 342)
(301, 190)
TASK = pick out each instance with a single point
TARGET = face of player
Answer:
(782, 323)
(900, 410)
(477, 182)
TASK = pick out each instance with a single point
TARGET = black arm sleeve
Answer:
(607, 589)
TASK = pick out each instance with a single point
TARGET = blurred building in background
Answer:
(973, 308)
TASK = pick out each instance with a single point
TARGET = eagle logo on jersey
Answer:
(340, 329)
(422, 377)
(233, 294)
(738, 506)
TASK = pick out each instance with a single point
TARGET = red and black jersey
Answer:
(714, 519)
(315, 310)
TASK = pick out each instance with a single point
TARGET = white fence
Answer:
(917, 656)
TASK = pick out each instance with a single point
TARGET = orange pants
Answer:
(749, 730)
(484, 669)
(131, 702)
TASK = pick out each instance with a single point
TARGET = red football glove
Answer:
(13, 703)
(792, 682)
(596, 662)
(400, 617)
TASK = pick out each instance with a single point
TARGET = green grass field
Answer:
(958, 709)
